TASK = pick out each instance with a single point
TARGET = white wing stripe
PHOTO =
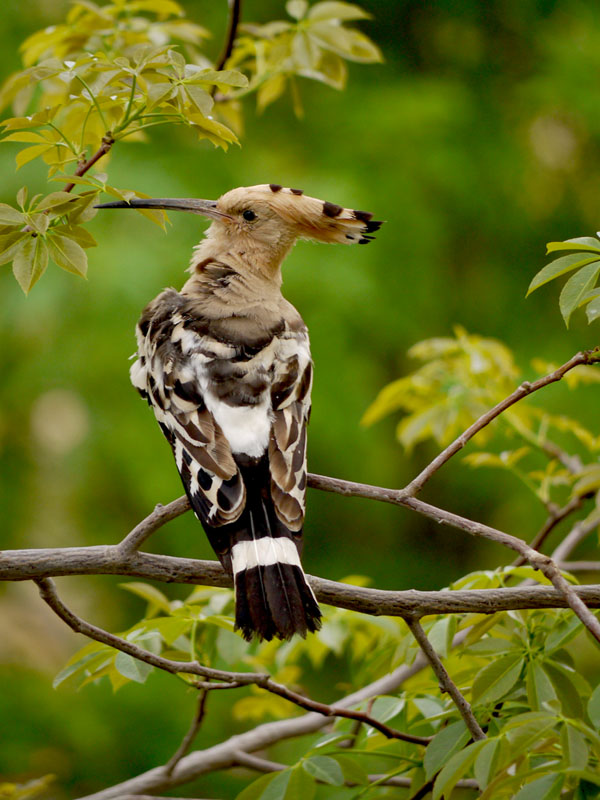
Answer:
(264, 552)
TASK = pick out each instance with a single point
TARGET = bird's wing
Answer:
(287, 445)
(168, 373)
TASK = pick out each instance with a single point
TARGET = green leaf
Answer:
(255, 790)
(593, 310)
(593, 708)
(539, 687)
(332, 9)
(576, 288)
(568, 694)
(149, 593)
(67, 254)
(301, 785)
(29, 153)
(444, 745)
(353, 772)
(55, 199)
(10, 244)
(131, 668)
(22, 196)
(80, 235)
(170, 628)
(575, 749)
(546, 788)
(386, 707)
(82, 664)
(584, 243)
(30, 262)
(10, 215)
(497, 679)
(325, 769)
(562, 633)
(485, 763)
(441, 634)
(296, 8)
(200, 98)
(526, 729)
(455, 769)
(277, 788)
(559, 267)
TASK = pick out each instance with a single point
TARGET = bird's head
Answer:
(261, 223)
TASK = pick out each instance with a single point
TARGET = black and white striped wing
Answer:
(287, 445)
(168, 378)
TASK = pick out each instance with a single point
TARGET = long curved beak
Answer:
(207, 208)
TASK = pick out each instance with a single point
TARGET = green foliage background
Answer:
(477, 141)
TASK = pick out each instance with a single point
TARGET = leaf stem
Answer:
(94, 101)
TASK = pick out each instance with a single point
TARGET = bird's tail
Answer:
(272, 596)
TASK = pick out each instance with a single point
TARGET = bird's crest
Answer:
(313, 218)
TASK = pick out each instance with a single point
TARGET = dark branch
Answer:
(234, 679)
(444, 679)
(235, 9)
(107, 143)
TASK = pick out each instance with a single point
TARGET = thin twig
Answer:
(235, 10)
(525, 389)
(107, 143)
(220, 756)
(556, 516)
(159, 517)
(256, 763)
(580, 566)
(577, 534)
(444, 679)
(264, 681)
(189, 737)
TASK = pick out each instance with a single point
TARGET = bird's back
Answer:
(230, 388)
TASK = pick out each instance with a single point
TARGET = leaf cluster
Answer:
(540, 715)
(582, 257)
(464, 376)
(314, 45)
(109, 73)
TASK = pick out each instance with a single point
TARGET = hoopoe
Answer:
(225, 364)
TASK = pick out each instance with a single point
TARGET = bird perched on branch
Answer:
(225, 364)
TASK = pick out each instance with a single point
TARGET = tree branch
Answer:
(18, 565)
(234, 679)
(223, 755)
(107, 143)
(525, 389)
(190, 735)
(555, 517)
(445, 681)
(235, 10)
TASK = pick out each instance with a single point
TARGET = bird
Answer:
(225, 365)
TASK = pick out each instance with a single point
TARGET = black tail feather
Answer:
(272, 596)
(290, 605)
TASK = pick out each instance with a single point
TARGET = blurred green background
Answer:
(477, 140)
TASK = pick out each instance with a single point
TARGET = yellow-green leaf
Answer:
(29, 153)
(558, 267)
(10, 243)
(334, 9)
(30, 262)
(10, 215)
(67, 254)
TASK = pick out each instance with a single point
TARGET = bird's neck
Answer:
(243, 253)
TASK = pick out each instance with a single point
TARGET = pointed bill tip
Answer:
(206, 208)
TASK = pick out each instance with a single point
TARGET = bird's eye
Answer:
(249, 215)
